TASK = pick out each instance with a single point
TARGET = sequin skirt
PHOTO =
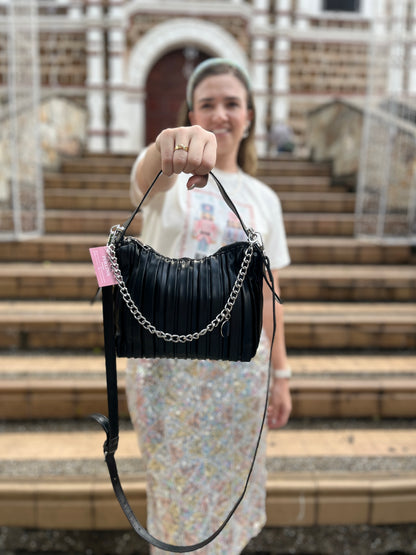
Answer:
(197, 424)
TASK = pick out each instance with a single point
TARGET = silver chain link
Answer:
(221, 317)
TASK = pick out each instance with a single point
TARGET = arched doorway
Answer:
(208, 38)
(166, 86)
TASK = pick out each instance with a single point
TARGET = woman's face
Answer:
(220, 106)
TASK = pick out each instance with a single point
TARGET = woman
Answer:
(197, 421)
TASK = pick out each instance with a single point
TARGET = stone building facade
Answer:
(126, 61)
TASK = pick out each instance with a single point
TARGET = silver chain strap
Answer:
(221, 318)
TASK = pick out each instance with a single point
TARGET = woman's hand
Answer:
(280, 403)
(197, 158)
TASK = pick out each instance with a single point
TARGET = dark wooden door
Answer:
(165, 89)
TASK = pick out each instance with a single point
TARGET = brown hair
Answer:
(247, 153)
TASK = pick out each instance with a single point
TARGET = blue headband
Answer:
(209, 63)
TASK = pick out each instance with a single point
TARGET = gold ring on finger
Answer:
(181, 147)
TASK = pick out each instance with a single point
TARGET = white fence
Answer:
(386, 195)
(21, 189)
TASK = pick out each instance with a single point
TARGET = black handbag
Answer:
(180, 308)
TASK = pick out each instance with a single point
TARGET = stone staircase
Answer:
(348, 454)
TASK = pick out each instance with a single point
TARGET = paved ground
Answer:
(327, 540)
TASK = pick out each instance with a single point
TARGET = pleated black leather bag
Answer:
(209, 308)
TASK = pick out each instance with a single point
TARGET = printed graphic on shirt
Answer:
(233, 231)
(215, 224)
(204, 229)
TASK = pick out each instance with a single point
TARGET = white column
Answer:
(367, 8)
(305, 8)
(119, 109)
(314, 6)
(282, 10)
(75, 9)
(395, 78)
(135, 134)
(259, 73)
(280, 105)
(412, 56)
(95, 80)
(377, 11)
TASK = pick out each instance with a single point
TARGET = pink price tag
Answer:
(102, 266)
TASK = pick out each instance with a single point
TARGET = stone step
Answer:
(341, 440)
(54, 280)
(96, 183)
(107, 164)
(79, 221)
(43, 386)
(334, 202)
(348, 283)
(88, 199)
(296, 223)
(299, 183)
(102, 166)
(291, 166)
(319, 224)
(56, 478)
(59, 325)
(39, 386)
(99, 157)
(34, 365)
(63, 247)
(303, 250)
(112, 199)
(113, 181)
(101, 221)
(347, 250)
(90, 222)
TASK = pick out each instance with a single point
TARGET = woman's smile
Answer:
(221, 131)
(220, 106)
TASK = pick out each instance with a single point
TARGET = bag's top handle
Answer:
(223, 192)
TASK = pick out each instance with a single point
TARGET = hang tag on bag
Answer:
(102, 267)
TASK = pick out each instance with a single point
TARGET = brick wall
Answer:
(140, 23)
(63, 59)
(319, 67)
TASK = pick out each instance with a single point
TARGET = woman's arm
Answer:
(280, 402)
(197, 159)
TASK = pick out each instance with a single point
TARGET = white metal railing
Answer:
(21, 184)
(386, 192)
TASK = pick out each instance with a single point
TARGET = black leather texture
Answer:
(182, 296)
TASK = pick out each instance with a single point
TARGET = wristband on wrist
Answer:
(284, 373)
